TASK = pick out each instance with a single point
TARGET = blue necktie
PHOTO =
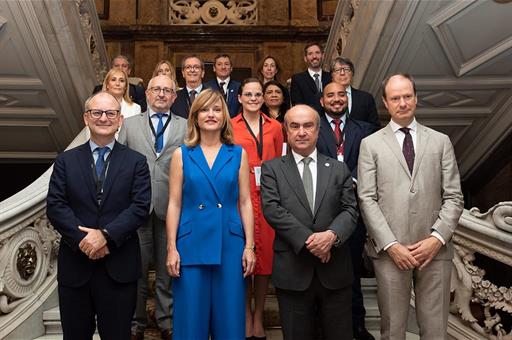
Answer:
(100, 162)
(160, 139)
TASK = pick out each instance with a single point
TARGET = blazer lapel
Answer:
(350, 135)
(86, 163)
(146, 131)
(310, 82)
(172, 133)
(328, 135)
(197, 156)
(292, 175)
(323, 177)
(392, 143)
(422, 137)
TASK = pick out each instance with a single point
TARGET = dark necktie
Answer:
(192, 96)
(160, 136)
(317, 82)
(337, 131)
(307, 181)
(221, 85)
(408, 149)
(100, 162)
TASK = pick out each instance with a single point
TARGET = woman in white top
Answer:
(116, 83)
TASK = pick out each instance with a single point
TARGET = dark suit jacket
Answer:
(137, 95)
(286, 209)
(364, 108)
(181, 105)
(354, 132)
(232, 100)
(303, 89)
(72, 202)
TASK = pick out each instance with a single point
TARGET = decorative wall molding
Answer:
(213, 12)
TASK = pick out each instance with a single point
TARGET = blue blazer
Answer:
(71, 202)
(232, 93)
(209, 206)
(354, 132)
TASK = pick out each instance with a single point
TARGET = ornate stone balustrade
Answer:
(479, 305)
(213, 12)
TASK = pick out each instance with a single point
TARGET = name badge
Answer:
(340, 157)
(257, 175)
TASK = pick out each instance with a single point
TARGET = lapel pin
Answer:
(327, 164)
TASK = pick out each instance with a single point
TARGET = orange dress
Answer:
(272, 148)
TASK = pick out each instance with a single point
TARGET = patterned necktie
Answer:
(221, 85)
(307, 181)
(317, 82)
(337, 131)
(408, 149)
(192, 96)
(100, 162)
(159, 144)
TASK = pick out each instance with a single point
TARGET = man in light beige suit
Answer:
(411, 201)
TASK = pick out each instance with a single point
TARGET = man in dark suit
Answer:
(192, 69)
(223, 83)
(136, 92)
(99, 194)
(306, 87)
(309, 200)
(361, 104)
(340, 137)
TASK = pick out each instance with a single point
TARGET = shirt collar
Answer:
(225, 80)
(312, 73)
(348, 89)
(93, 145)
(197, 89)
(395, 127)
(330, 119)
(153, 113)
(298, 158)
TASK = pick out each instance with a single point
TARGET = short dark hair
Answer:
(218, 56)
(312, 43)
(190, 56)
(247, 81)
(343, 61)
(404, 75)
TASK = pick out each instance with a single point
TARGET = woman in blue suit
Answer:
(210, 247)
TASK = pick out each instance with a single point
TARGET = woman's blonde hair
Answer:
(171, 67)
(110, 74)
(206, 99)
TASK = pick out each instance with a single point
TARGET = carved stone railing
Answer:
(479, 305)
(213, 12)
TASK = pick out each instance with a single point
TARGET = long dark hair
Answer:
(284, 105)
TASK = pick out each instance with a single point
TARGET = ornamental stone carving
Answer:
(213, 12)
(27, 258)
(483, 306)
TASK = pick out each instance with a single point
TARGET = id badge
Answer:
(257, 175)
(340, 157)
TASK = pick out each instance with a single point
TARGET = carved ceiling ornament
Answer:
(213, 12)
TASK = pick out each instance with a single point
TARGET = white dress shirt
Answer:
(348, 90)
(312, 167)
(312, 74)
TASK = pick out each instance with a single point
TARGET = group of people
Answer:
(222, 186)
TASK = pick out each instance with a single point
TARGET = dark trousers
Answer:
(356, 243)
(298, 311)
(109, 302)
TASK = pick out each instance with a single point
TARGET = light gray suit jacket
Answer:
(136, 134)
(396, 205)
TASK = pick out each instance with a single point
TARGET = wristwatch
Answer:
(106, 235)
(253, 247)
(337, 242)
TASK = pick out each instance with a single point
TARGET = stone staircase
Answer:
(53, 330)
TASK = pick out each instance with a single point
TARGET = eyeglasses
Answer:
(157, 90)
(342, 70)
(110, 114)
(250, 94)
(193, 67)
(407, 98)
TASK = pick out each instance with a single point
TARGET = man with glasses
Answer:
(155, 133)
(98, 196)
(411, 200)
(306, 87)
(361, 104)
(192, 69)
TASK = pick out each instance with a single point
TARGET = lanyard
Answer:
(259, 144)
(161, 131)
(101, 180)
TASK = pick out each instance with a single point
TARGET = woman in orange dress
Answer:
(262, 139)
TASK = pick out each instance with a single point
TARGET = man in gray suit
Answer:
(411, 201)
(308, 199)
(155, 133)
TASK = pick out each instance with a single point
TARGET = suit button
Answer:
(219, 205)
(201, 206)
